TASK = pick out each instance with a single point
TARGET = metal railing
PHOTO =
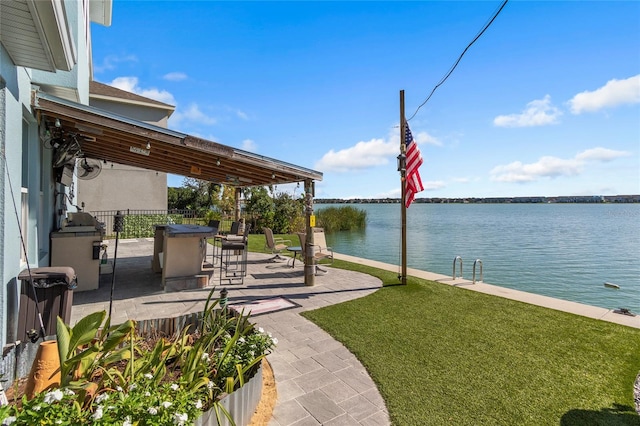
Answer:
(457, 258)
(478, 261)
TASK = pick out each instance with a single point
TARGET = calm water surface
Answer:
(565, 251)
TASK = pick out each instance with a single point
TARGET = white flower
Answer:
(275, 341)
(269, 334)
(119, 389)
(97, 415)
(53, 396)
(152, 410)
(148, 376)
(198, 404)
(147, 393)
(37, 407)
(260, 330)
(127, 421)
(241, 340)
(69, 392)
(180, 418)
(132, 386)
(9, 420)
(175, 387)
(166, 404)
(205, 357)
(210, 385)
(101, 398)
(58, 422)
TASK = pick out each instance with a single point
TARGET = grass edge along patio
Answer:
(444, 355)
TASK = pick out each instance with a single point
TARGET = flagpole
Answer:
(403, 209)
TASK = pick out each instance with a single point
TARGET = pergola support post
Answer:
(237, 208)
(309, 267)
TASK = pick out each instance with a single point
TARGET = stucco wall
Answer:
(120, 187)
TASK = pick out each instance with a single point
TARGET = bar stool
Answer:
(233, 254)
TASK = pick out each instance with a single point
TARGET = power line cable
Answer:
(453, 67)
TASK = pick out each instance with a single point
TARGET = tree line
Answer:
(262, 206)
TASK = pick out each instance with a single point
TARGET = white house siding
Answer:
(18, 125)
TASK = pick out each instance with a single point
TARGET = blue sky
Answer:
(545, 103)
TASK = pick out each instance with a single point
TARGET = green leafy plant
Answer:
(344, 218)
(110, 375)
(90, 348)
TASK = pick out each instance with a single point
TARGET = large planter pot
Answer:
(241, 404)
(45, 371)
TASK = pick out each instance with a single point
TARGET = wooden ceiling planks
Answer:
(121, 140)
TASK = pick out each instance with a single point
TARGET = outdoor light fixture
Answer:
(273, 175)
(402, 163)
(57, 122)
(148, 145)
(218, 162)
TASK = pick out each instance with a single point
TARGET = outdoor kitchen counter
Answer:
(80, 251)
(188, 231)
(184, 250)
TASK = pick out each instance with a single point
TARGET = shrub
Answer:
(141, 225)
(345, 218)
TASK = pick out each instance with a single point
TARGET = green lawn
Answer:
(442, 355)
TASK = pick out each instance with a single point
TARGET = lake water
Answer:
(566, 251)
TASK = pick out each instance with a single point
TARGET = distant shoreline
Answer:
(595, 199)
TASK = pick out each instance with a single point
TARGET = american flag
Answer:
(414, 161)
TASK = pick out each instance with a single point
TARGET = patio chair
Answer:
(214, 224)
(235, 227)
(320, 249)
(233, 254)
(275, 244)
(237, 232)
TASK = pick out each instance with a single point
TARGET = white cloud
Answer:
(192, 114)
(110, 62)
(423, 138)
(175, 76)
(551, 167)
(249, 145)
(362, 155)
(433, 185)
(237, 112)
(367, 154)
(612, 94)
(539, 112)
(130, 84)
(601, 154)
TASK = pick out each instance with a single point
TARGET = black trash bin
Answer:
(54, 291)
